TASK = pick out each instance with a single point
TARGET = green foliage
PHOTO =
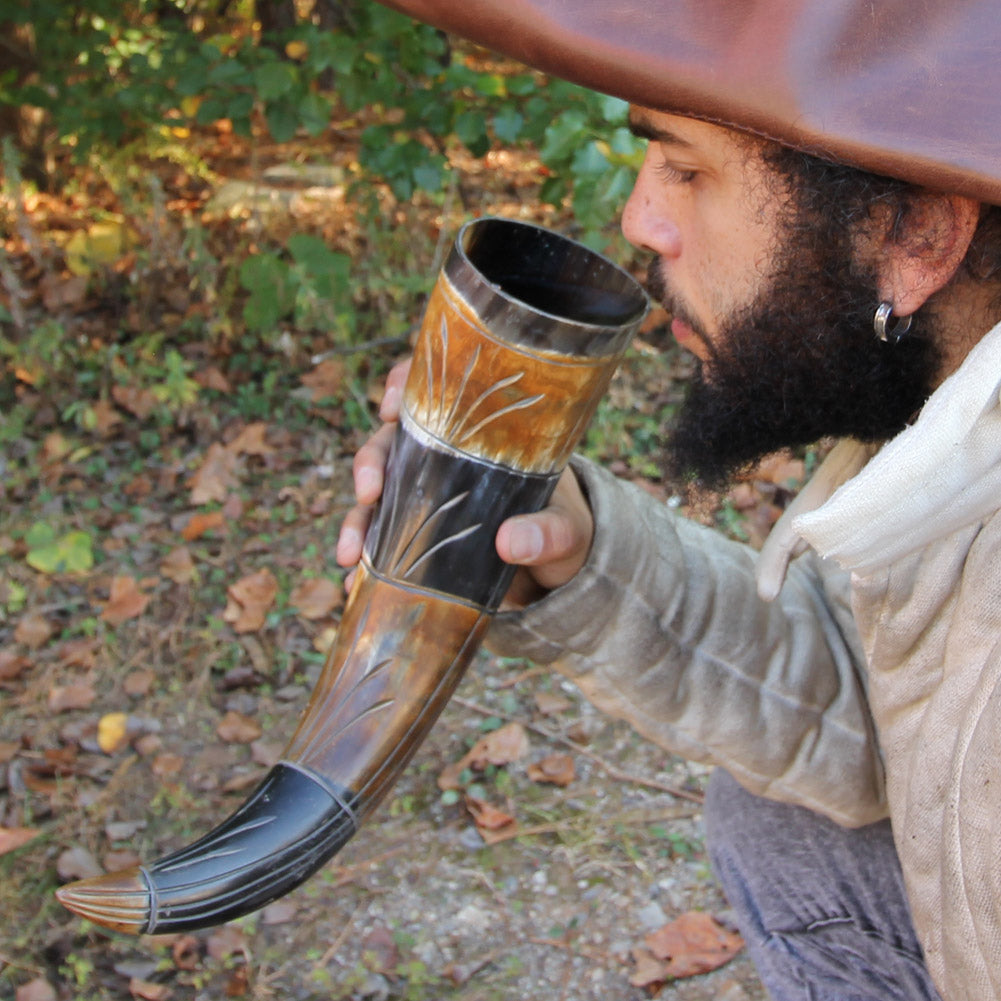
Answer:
(52, 553)
(309, 285)
(105, 72)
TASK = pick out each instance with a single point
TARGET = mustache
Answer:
(656, 287)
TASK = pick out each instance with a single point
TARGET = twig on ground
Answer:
(615, 772)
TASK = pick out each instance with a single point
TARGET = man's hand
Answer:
(551, 545)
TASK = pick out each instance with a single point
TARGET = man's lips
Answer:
(687, 338)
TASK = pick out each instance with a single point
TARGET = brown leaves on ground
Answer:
(250, 599)
(33, 630)
(693, 943)
(316, 597)
(125, 602)
(12, 838)
(219, 472)
(235, 728)
(499, 747)
(325, 380)
(556, 769)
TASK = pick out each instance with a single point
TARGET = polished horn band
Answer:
(520, 337)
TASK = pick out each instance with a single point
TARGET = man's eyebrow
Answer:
(643, 129)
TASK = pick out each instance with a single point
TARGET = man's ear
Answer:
(924, 252)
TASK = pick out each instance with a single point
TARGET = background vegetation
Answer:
(218, 224)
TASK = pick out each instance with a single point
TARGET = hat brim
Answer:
(910, 90)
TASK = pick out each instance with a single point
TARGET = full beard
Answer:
(800, 363)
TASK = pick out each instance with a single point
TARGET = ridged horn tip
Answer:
(119, 900)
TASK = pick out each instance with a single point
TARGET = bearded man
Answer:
(839, 277)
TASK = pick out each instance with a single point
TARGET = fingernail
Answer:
(349, 544)
(526, 543)
(368, 484)
(390, 405)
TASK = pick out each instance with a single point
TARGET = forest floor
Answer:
(168, 591)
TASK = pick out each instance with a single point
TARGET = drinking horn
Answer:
(520, 337)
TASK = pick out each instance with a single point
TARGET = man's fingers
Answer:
(392, 396)
(554, 542)
(369, 466)
(352, 535)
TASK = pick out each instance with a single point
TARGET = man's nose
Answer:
(646, 220)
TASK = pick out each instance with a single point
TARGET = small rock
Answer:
(652, 916)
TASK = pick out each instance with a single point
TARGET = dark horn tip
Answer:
(290, 826)
(120, 900)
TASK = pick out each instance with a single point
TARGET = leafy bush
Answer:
(106, 71)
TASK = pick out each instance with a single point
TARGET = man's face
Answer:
(776, 307)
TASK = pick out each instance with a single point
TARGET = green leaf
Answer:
(283, 121)
(564, 136)
(274, 80)
(272, 290)
(589, 161)
(314, 113)
(39, 535)
(72, 553)
(508, 124)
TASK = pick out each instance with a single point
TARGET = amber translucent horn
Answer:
(521, 335)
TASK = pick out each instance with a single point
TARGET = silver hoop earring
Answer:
(881, 323)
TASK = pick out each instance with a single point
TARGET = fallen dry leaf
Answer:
(138, 682)
(487, 816)
(227, 941)
(33, 630)
(106, 417)
(167, 765)
(235, 728)
(549, 703)
(251, 441)
(80, 652)
(693, 943)
(249, 601)
(213, 378)
(215, 477)
(499, 747)
(113, 732)
(55, 447)
(79, 695)
(379, 951)
(198, 524)
(12, 664)
(14, 837)
(178, 565)
(38, 989)
(649, 969)
(316, 597)
(146, 990)
(557, 769)
(125, 602)
(137, 401)
(186, 952)
(325, 380)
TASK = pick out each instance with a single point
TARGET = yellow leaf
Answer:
(297, 50)
(113, 732)
(190, 105)
(100, 245)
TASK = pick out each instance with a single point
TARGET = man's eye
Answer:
(674, 175)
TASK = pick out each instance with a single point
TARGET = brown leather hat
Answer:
(908, 88)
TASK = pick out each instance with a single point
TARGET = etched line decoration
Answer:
(507, 404)
(450, 422)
